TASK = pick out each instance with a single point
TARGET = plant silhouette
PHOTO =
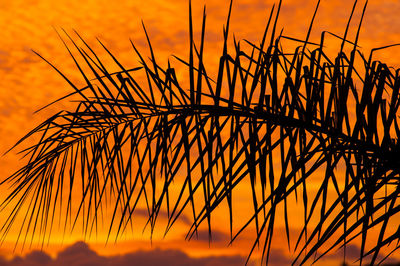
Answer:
(268, 117)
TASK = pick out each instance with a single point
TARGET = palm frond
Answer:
(273, 118)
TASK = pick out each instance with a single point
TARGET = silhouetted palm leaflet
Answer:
(128, 140)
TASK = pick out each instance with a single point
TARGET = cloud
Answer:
(216, 236)
(353, 253)
(163, 215)
(38, 257)
(80, 254)
(277, 257)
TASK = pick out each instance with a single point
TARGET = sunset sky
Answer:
(27, 83)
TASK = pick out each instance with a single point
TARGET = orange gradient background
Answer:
(27, 83)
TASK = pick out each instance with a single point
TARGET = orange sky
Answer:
(27, 83)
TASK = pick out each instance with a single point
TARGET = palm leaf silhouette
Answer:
(267, 117)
